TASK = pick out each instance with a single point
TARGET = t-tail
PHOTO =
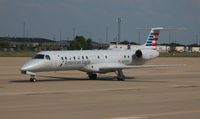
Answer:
(152, 39)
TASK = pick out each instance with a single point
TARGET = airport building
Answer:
(161, 48)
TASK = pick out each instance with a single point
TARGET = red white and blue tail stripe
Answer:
(153, 37)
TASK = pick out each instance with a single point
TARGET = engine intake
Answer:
(138, 54)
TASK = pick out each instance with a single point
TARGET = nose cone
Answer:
(32, 65)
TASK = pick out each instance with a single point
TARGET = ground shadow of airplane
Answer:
(106, 78)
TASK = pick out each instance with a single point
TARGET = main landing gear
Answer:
(92, 75)
(120, 75)
(33, 78)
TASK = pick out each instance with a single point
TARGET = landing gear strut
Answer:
(120, 75)
(92, 75)
(33, 78)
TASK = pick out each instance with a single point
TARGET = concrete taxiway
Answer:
(158, 93)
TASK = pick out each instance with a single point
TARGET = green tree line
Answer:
(80, 42)
(4, 44)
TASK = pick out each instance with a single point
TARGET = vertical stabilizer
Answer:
(152, 39)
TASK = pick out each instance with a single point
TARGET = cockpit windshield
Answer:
(42, 56)
(39, 56)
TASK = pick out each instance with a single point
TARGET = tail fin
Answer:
(153, 37)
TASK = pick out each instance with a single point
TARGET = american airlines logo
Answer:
(77, 62)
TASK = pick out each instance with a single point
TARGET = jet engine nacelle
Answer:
(146, 54)
(138, 54)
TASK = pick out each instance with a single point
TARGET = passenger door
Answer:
(56, 61)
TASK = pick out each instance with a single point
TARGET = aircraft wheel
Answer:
(32, 79)
(120, 75)
(92, 76)
(121, 78)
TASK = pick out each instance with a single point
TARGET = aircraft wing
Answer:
(120, 66)
(106, 67)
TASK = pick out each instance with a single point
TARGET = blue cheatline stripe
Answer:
(149, 41)
(151, 36)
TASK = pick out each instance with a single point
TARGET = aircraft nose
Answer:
(32, 65)
(25, 67)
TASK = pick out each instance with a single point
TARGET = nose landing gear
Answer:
(32, 74)
(33, 78)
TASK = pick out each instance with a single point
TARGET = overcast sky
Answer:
(47, 18)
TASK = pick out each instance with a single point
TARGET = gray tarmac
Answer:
(156, 93)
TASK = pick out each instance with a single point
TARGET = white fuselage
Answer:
(94, 61)
(86, 60)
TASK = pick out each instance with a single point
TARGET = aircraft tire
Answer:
(93, 76)
(121, 78)
(32, 79)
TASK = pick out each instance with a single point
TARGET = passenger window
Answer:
(86, 57)
(74, 57)
(98, 57)
(106, 57)
(82, 57)
(62, 58)
(124, 56)
(47, 57)
(65, 58)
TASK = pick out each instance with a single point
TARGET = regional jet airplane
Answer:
(95, 61)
